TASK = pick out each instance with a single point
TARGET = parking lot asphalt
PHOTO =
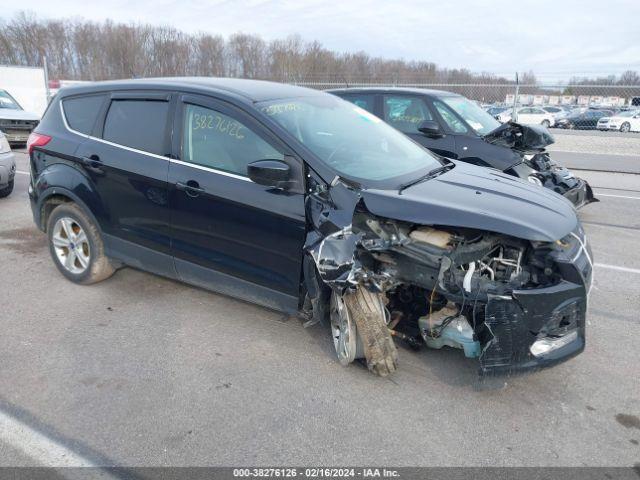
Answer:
(140, 370)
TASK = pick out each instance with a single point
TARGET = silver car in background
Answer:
(7, 167)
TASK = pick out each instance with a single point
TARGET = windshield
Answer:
(479, 120)
(7, 101)
(349, 139)
(629, 113)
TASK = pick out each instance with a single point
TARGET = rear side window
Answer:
(364, 101)
(139, 124)
(81, 112)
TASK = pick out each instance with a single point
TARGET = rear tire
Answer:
(625, 127)
(76, 245)
(6, 191)
(367, 310)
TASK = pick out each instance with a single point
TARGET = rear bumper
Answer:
(7, 168)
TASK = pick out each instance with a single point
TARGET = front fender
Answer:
(65, 180)
(485, 154)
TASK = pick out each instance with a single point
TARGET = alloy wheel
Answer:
(71, 245)
(343, 330)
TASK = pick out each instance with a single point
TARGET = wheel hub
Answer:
(71, 245)
(343, 331)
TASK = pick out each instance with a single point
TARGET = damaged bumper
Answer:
(514, 302)
(531, 330)
(534, 329)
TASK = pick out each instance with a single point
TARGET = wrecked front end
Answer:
(514, 305)
(537, 166)
(541, 170)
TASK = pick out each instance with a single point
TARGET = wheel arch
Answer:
(55, 196)
(62, 183)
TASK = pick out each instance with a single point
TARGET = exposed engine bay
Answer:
(491, 295)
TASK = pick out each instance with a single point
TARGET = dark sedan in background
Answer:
(587, 120)
(455, 127)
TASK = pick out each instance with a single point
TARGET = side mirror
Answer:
(430, 128)
(272, 173)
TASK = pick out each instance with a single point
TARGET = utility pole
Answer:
(514, 113)
(46, 78)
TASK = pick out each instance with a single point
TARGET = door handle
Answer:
(191, 188)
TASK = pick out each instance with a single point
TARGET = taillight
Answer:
(36, 140)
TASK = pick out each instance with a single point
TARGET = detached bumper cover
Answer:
(530, 315)
(553, 316)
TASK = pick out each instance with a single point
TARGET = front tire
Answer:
(6, 191)
(367, 311)
(625, 127)
(546, 123)
(76, 245)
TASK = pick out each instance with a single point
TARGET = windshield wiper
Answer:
(433, 173)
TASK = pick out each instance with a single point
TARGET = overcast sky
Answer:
(554, 38)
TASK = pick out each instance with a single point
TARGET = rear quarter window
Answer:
(139, 124)
(81, 113)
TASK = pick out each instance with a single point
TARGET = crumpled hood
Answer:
(524, 138)
(12, 114)
(475, 197)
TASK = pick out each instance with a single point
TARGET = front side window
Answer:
(452, 121)
(82, 112)
(8, 102)
(215, 140)
(481, 122)
(405, 113)
(139, 124)
(350, 140)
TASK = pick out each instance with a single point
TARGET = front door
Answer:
(228, 233)
(406, 113)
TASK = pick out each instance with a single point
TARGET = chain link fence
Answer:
(616, 97)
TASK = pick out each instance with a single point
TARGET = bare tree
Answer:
(86, 50)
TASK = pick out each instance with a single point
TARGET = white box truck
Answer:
(23, 100)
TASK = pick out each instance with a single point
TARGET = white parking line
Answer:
(45, 451)
(616, 196)
(22, 173)
(619, 269)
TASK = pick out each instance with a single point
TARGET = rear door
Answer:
(406, 112)
(230, 234)
(126, 160)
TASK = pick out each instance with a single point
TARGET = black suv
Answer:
(305, 203)
(455, 127)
